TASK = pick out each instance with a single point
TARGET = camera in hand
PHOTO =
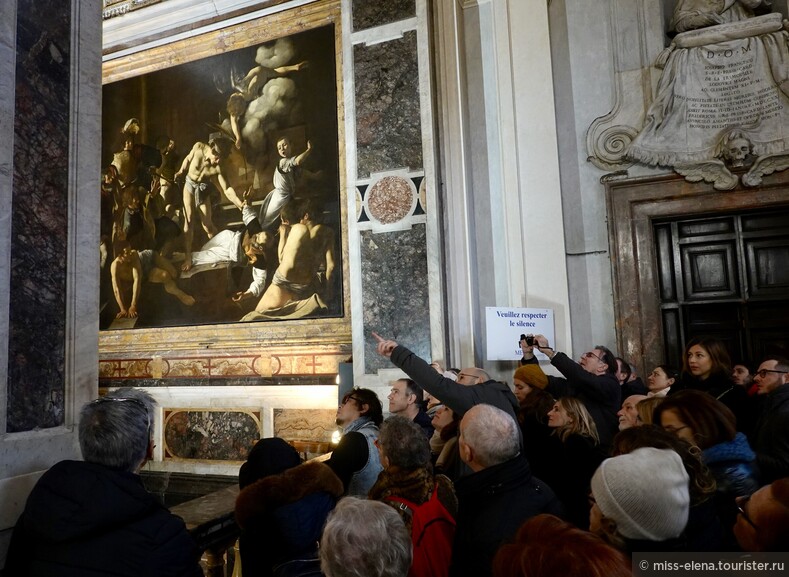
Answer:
(529, 340)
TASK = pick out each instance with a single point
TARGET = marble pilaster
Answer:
(369, 13)
(394, 242)
(394, 273)
(39, 229)
(388, 131)
(49, 107)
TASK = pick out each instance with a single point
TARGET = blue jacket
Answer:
(732, 465)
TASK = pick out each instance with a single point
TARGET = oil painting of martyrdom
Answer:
(279, 143)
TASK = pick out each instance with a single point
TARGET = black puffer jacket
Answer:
(492, 504)
(86, 520)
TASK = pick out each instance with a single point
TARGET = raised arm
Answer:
(300, 158)
(459, 398)
(599, 387)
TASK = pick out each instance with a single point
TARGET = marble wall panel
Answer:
(210, 435)
(369, 13)
(37, 315)
(388, 131)
(305, 424)
(395, 287)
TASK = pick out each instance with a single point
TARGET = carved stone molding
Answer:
(636, 29)
(114, 8)
(608, 145)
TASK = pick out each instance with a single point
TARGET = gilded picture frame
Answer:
(284, 72)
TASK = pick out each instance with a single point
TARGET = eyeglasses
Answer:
(674, 430)
(350, 398)
(741, 502)
(137, 402)
(763, 372)
(590, 354)
(466, 375)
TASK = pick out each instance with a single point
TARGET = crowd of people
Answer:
(566, 475)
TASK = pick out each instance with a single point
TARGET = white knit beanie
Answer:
(645, 492)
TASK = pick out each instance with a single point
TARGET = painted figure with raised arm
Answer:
(284, 181)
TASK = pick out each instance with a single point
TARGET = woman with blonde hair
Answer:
(578, 457)
(645, 409)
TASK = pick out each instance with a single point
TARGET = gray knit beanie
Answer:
(645, 492)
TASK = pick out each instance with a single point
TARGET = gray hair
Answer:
(365, 539)
(115, 430)
(404, 443)
(491, 433)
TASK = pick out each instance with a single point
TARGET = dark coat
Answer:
(575, 461)
(771, 436)
(459, 398)
(426, 422)
(634, 387)
(492, 504)
(705, 531)
(282, 516)
(600, 394)
(540, 445)
(722, 388)
(86, 520)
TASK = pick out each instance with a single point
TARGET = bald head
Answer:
(488, 437)
(472, 376)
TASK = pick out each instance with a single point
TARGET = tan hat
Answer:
(532, 375)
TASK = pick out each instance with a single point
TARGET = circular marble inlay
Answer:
(390, 199)
(423, 194)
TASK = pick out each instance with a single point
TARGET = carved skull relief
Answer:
(736, 152)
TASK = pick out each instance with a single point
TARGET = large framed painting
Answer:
(222, 187)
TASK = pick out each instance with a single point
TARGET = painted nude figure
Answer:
(131, 266)
(305, 246)
(201, 167)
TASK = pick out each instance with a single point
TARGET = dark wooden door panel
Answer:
(725, 277)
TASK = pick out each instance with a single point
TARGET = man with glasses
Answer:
(771, 435)
(592, 380)
(473, 387)
(94, 517)
(356, 460)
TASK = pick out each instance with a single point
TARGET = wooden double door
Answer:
(725, 276)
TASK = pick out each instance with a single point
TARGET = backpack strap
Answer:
(405, 506)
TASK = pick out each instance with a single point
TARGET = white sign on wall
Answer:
(506, 325)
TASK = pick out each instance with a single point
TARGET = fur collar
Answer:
(265, 495)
